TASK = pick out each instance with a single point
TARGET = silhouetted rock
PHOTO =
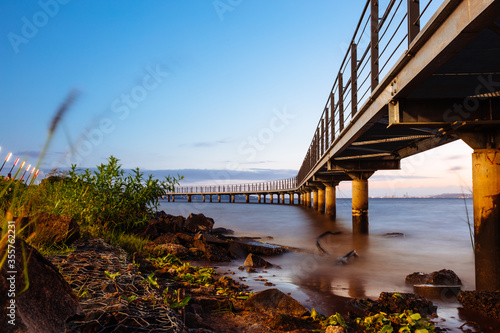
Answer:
(198, 222)
(396, 303)
(443, 277)
(46, 304)
(255, 261)
(275, 301)
(222, 231)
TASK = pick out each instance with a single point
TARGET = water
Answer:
(435, 236)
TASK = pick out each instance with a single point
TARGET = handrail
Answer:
(336, 116)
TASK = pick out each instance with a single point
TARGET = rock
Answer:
(175, 249)
(167, 238)
(185, 239)
(47, 303)
(416, 278)
(162, 249)
(283, 322)
(222, 231)
(214, 239)
(259, 248)
(160, 225)
(443, 277)
(212, 252)
(398, 302)
(194, 320)
(273, 300)
(198, 222)
(52, 229)
(251, 270)
(335, 329)
(486, 302)
(255, 261)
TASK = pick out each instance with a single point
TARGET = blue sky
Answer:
(172, 85)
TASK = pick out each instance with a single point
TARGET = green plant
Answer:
(173, 300)
(151, 280)
(406, 322)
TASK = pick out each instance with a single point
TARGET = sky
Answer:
(226, 90)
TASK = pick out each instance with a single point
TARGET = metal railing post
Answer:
(341, 103)
(374, 43)
(354, 79)
(413, 19)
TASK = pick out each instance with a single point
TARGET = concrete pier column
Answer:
(203, 197)
(232, 198)
(259, 198)
(315, 199)
(278, 198)
(219, 197)
(272, 195)
(210, 198)
(173, 198)
(283, 198)
(321, 200)
(264, 197)
(331, 201)
(486, 201)
(247, 198)
(360, 206)
(308, 199)
(189, 197)
(292, 198)
(168, 198)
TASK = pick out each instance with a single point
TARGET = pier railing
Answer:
(277, 185)
(381, 36)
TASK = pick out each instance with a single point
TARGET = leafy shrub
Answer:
(106, 199)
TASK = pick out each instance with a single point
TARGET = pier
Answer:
(411, 87)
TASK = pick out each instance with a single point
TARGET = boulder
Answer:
(255, 261)
(275, 301)
(212, 252)
(396, 303)
(259, 248)
(51, 229)
(162, 249)
(167, 238)
(198, 222)
(47, 303)
(222, 231)
(444, 277)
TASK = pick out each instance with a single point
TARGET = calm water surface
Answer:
(435, 236)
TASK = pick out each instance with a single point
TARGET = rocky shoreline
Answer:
(109, 290)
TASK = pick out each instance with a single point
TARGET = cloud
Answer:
(205, 144)
(407, 177)
(216, 175)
